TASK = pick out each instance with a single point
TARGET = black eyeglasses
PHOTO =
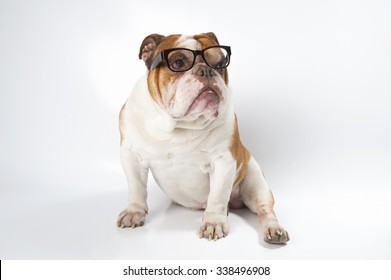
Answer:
(181, 59)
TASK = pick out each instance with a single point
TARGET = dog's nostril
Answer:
(204, 71)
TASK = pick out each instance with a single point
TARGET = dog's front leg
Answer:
(137, 175)
(215, 223)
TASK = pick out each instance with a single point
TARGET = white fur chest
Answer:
(180, 159)
(184, 177)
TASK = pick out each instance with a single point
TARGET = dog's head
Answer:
(187, 75)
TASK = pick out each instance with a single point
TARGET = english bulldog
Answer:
(179, 123)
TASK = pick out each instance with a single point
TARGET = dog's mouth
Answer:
(207, 100)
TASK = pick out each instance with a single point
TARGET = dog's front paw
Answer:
(213, 227)
(131, 219)
(275, 234)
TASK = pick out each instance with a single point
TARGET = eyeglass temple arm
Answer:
(156, 61)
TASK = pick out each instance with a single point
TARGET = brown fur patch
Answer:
(156, 79)
(167, 43)
(206, 39)
(240, 154)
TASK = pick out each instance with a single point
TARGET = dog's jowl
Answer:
(179, 123)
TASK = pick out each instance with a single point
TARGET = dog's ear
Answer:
(212, 36)
(148, 47)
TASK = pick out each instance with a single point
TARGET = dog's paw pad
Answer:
(213, 227)
(276, 235)
(131, 219)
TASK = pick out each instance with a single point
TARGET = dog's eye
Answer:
(179, 63)
(221, 64)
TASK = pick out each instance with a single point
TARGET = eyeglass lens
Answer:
(216, 57)
(180, 60)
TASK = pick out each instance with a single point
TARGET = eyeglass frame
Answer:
(163, 55)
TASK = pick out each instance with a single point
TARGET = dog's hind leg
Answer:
(258, 197)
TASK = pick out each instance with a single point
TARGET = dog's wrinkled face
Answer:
(198, 92)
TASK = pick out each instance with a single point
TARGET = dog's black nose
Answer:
(204, 71)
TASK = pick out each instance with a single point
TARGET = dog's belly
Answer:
(185, 182)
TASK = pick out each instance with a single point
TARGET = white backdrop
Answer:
(312, 91)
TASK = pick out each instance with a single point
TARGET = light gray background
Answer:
(312, 91)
